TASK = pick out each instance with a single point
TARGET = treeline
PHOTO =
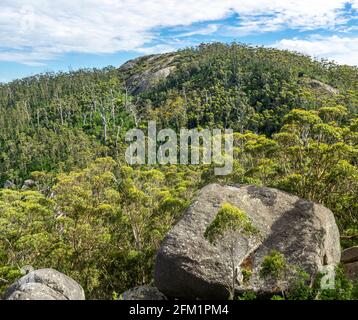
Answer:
(57, 122)
(248, 88)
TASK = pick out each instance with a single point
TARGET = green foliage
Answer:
(246, 274)
(249, 295)
(273, 265)
(26, 232)
(248, 88)
(57, 122)
(301, 288)
(343, 288)
(229, 218)
(229, 225)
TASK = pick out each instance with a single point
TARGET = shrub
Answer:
(273, 265)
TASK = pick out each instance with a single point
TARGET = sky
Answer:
(39, 36)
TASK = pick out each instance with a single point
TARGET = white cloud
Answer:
(209, 29)
(158, 48)
(36, 31)
(343, 50)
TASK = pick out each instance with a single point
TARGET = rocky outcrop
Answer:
(351, 271)
(143, 293)
(145, 72)
(9, 185)
(322, 87)
(45, 284)
(350, 263)
(189, 267)
(350, 255)
(28, 184)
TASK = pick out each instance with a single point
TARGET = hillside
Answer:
(72, 203)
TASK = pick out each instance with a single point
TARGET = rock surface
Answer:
(146, 72)
(189, 267)
(350, 255)
(9, 184)
(45, 284)
(28, 184)
(323, 87)
(351, 271)
(143, 293)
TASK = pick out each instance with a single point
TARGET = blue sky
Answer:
(44, 35)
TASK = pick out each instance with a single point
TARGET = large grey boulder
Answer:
(189, 267)
(350, 255)
(143, 293)
(351, 271)
(9, 185)
(28, 184)
(45, 284)
(350, 263)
